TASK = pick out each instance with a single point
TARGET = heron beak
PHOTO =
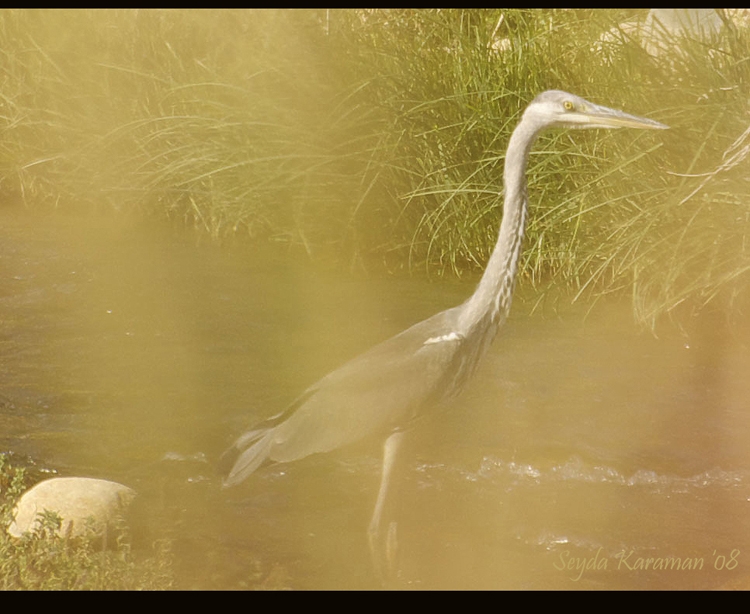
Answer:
(604, 117)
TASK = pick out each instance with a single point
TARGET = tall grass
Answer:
(378, 136)
(198, 115)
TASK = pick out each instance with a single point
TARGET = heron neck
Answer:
(491, 300)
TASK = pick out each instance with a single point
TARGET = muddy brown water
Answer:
(584, 454)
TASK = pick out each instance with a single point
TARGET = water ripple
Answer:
(577, 470)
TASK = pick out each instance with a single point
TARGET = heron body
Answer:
(389, 384)
(381, 392)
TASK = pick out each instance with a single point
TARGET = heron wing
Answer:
(375, 393)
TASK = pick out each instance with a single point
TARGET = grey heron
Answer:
(383, 391)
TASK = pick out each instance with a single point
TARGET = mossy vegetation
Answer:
(377, 137)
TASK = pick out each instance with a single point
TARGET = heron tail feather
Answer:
(246, 455)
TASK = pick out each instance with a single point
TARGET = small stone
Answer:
(74, 500)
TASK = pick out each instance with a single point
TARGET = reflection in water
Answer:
(579, 453)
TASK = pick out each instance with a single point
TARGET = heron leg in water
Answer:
(383, 558)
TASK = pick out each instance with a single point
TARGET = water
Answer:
(583, 454)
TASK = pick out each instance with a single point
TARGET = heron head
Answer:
(557, 108)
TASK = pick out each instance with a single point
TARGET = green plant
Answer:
(43, 560)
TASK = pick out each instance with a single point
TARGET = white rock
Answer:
(663, 28)
(74, 500)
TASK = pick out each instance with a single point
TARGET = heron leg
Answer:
(383, 557)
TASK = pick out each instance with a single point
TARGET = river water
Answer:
(584, 454)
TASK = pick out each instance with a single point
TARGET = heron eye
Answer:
(567, 105)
